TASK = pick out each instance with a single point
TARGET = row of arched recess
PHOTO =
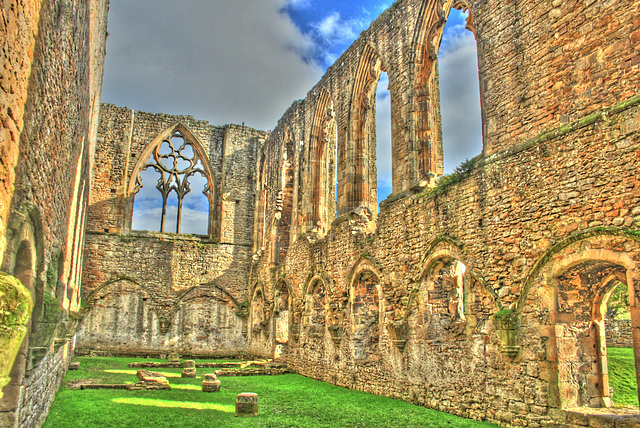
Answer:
(560, 309)
(336, 163)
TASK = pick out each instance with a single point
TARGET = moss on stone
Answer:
(16, 306)
(507, 318)
(243, 309)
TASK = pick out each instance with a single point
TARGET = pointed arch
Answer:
(259, 311)
(441, 244)
(357, 186)
(174, 178)
(261, 205)
(365, 307)
(281, 312)
(316, 296)
(364, 263)
(572, 282)
(114, 280)
(426, 145)
(285, 198)
(323, 139)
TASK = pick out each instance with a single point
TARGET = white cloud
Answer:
(147, 208)
(460, 98)
(383, 137)
(297, 4)
(195, 222)
(222, 61)
(335, 30)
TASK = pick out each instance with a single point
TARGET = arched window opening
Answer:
(261, 213)
(357, 189)
(24, 271)
(366, 315)
(282, 320)
(620, 358)
(322, 164)
(315, 301)
(446, 97)
(175, 166)
(461, 123)
(442, 297)
(383, 139)
(584, 291)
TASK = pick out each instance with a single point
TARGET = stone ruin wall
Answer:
(619, 334)
(552, 203)
(459, 367)
(532, 220)
(156, 293)
(51, 78)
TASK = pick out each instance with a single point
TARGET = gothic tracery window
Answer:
(177, 166)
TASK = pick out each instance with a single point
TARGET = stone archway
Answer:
(365, 314)
(582, 289)
(573, 282)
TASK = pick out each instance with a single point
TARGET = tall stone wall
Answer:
(152, 292)
(51, 78)
(474, 294)
(505, 222)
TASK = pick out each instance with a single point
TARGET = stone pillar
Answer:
(246, 404)
(210, 383)
(189, 368)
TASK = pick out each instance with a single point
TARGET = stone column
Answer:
(246, 404)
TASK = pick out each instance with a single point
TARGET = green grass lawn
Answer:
(284, 401)
(622, 376)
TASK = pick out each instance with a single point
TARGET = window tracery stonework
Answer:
(176, 160)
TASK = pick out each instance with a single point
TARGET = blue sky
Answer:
(246, 61)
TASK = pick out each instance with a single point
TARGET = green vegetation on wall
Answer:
(16, 306)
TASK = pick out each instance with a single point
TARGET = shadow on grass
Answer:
(284, 401)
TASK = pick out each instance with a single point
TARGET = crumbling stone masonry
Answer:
(51, 67)
(165, 292)
(480, 294)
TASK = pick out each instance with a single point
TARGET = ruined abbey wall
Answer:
(545, 222)
(51, 78)
(480, 294)
(152, 292)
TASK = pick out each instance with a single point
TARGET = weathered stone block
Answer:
(189, 372)
(246, 404)
(210, 383)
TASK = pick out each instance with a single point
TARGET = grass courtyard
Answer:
(622, 376)
(285, 401)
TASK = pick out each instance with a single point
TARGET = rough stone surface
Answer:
(210, 383)
(619, 334)
(169, 306)
(246, 404)
(479, 294)
(51, 62)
